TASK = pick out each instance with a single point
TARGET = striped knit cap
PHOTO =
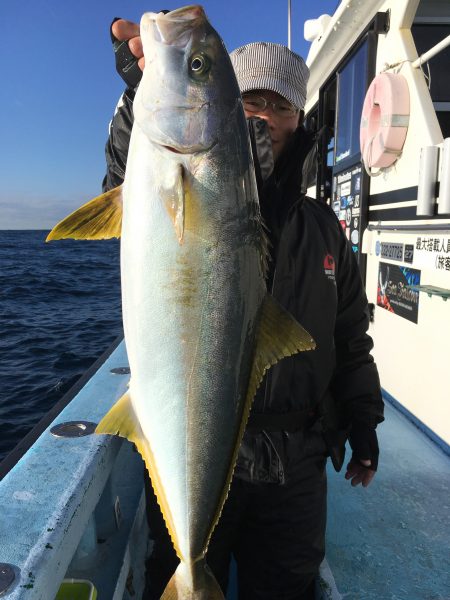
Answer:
(268, 66)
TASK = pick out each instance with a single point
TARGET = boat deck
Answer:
(392, 539)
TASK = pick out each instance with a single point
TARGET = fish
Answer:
(200, 327)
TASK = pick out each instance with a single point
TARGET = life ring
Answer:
(384, 120)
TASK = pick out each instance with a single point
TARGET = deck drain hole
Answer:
(7, 576)
(73, 429)
(121, 370)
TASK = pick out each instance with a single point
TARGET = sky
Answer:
(59, 90)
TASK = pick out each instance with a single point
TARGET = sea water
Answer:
(60, 308)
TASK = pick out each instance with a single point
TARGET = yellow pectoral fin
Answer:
(279, 335)
(121, 420)
(99, 219)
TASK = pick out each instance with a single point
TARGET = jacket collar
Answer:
(283, 188)
(288, 167)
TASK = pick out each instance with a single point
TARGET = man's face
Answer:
(280, 126)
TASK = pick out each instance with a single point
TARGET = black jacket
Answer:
(314, 274)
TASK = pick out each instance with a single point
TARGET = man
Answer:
(273, 522)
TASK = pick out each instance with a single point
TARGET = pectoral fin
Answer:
(173, 199)
(121, 420)
(99, 219)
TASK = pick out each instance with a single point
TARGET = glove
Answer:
(364, 443)
(126, 63)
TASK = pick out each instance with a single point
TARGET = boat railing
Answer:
(73, 504)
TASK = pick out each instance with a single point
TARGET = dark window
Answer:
(310, 167)
(326, 140)
(352, 86)
(312, 120)
(425, 37)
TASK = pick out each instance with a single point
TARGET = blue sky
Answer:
(60, 88)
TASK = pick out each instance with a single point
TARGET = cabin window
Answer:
(352, 86)
(427, 35)
(326, 140)
(310, 166)
(311, 122)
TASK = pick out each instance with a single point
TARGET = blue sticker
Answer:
(378, 248)
(411, 275)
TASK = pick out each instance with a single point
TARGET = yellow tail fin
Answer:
(193, 582)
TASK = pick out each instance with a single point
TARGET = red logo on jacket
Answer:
(329, 267)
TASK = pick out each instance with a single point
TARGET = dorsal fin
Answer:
(279, 335)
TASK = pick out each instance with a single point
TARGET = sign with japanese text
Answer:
(393, 293)
(432, 252)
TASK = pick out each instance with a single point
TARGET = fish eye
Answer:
(200, 64)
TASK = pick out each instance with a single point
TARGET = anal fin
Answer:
(121, 420)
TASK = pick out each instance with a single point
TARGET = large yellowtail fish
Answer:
(200, 329)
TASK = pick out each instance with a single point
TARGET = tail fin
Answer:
(193, 582)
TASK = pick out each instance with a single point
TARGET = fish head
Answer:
(188, 90)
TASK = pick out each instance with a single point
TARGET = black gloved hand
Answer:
(364, 443)
(126, 63)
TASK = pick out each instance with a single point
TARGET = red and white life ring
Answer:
(384, 120)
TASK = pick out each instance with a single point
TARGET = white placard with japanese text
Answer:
(432, 252)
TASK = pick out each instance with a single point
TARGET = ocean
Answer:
(60, 309)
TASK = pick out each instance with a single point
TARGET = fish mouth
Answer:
(172, 149)
(179, 149)
(175, 27)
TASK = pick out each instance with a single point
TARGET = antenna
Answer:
(289, 24)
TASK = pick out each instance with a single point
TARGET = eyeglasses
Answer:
(256, 104)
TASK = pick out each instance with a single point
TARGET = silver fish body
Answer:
(193, 284)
